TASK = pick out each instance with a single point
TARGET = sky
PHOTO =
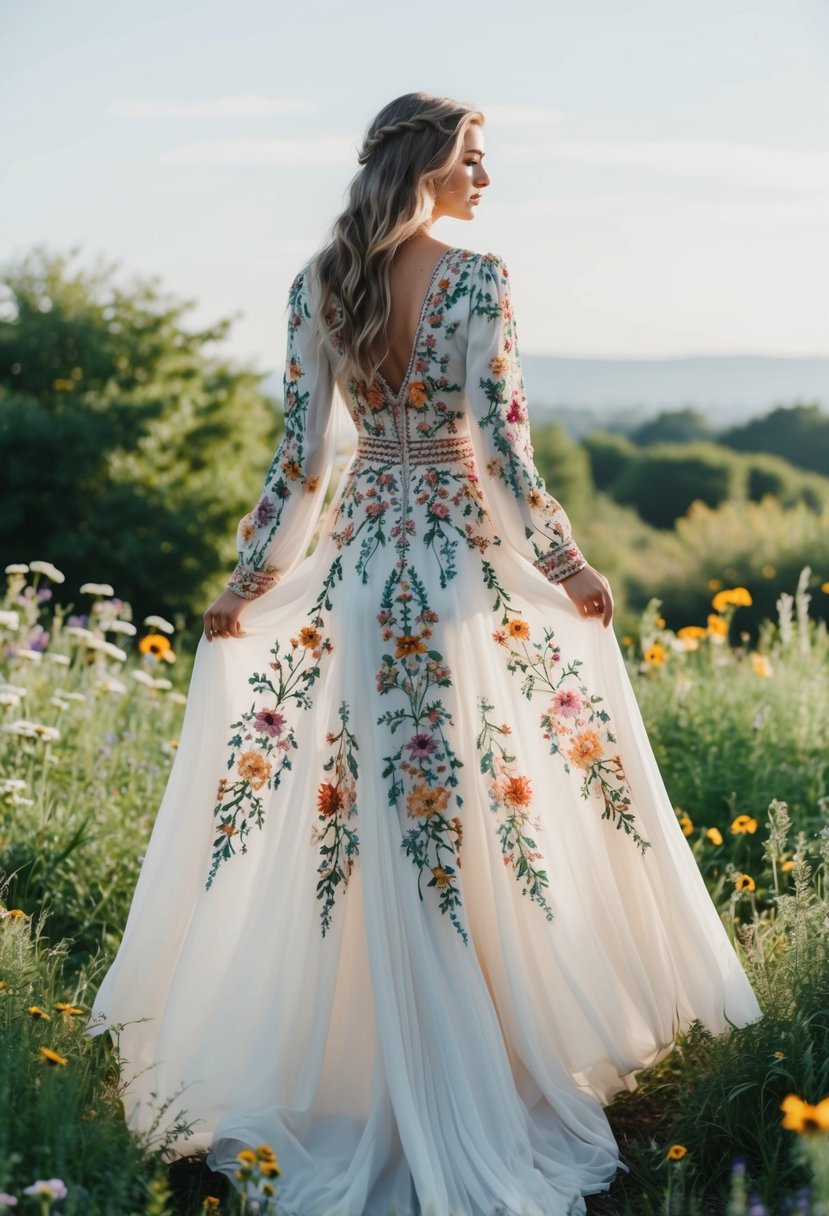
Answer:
(660, 168)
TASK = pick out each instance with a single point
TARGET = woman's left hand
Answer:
(222, 617)
(590, 592)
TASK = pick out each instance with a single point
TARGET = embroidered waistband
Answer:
(419, 451)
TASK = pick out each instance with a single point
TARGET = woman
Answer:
(443, 910)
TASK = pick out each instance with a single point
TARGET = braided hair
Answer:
(409, 147)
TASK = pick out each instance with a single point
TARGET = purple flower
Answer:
(44, 594)
(265, 511)
(54, 1188)
(269, 722)
(80, 621)
(38, 638)
(7, 1201)
(421, 745)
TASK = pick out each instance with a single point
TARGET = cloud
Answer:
(244, 106)
(754, 165)
(312, 150)
(525, 116)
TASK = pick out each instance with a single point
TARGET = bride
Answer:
(416, 904)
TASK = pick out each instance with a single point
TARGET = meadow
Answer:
(91, 703)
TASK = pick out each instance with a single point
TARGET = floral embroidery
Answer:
(263, 738)
(336, 804)
(575, 723)
(510, 795)
(422, 770)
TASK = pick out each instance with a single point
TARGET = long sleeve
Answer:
(523, 512)
(275, 535)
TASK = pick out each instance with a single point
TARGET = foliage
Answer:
(665, 479)
(609, 454)
(673, 426)
(130, 451)
(798, 433)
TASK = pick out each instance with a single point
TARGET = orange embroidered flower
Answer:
(499, 365)
(294, 369)
(329, 799)
(309, 637)
(518, 628)
(253, 768)
(418, 393)
(292, 469)
(443, 284)
(409, 643)
(441, 877)
(427, 800)
(310, 484)
(374, 396)
(517, 791)
(585, 749)
(227, 829)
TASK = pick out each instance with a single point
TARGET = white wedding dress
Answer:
(416, 904)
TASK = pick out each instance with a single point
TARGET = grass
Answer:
(90, 728)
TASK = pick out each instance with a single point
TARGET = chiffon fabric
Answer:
(416, 904)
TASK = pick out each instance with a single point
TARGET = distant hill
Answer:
(586, 394)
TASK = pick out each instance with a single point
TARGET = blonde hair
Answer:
(409, 148)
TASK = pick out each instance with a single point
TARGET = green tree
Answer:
(673, 426)
(798, 433)
(130, 450)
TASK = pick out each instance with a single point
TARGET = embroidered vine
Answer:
(336, 804)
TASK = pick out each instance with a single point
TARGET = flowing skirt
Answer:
(429, 1028)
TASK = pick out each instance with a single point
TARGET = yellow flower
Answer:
(780, 1055)
(787, 865)
(744, 882)
(441, 877)
(247, 1155)
(499, 365)
(37, 1012)
(68, 1010)
(427, 800)
(743, 824)
(52, 1057)
(268, 1188)
(154, 643)
(761, 664)
(16, 913)
(714, 584)
(266, 1152)
(768, 570)
(269, 1168)
(3, 985)
(717, 625)
(687, 825)
(714, 835)
(691, 631)
(309, 637)
(676, 1151)
(519, 628)
(800, 1117)
(211, 1204)
(656, 655)
(738, 596)
(660, 622)
(825, 587)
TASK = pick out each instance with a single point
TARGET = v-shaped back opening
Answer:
(396, 394)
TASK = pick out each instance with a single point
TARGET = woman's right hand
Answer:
(590, 592)
(222, 617)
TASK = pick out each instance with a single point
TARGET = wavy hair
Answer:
(410, 147)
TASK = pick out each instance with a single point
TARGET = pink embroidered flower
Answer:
(269, 722)
(568, 703)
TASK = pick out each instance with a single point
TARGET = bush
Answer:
(664, 480)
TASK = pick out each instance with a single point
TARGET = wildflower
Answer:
(52, 1188)
(9, 620)
(687, 825)
(61, 660)
(7, 1201)
(787, 865)
(248, 1156)
(116, 626)
(155, 644)
(178, 698)
(17, 568)
(110, 684)
(211, 1204)
(53, 1057)
(142, 677)
(37, 1012)
(714, 835)
(162, 685)
(68, 1010)
(800, 1117)
(744, 882)
(79, 632)
(34, 656)
(108, 648)
(655, 655)
(660, 622)
(743, 824)
(768, 570)
(739, 597)
(49, 570)
(9, 700)
(676, 1152)
(761, 664)
(170, 747)
(96, 589)
(780, 1055)
(15, 913)
(158, 622)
